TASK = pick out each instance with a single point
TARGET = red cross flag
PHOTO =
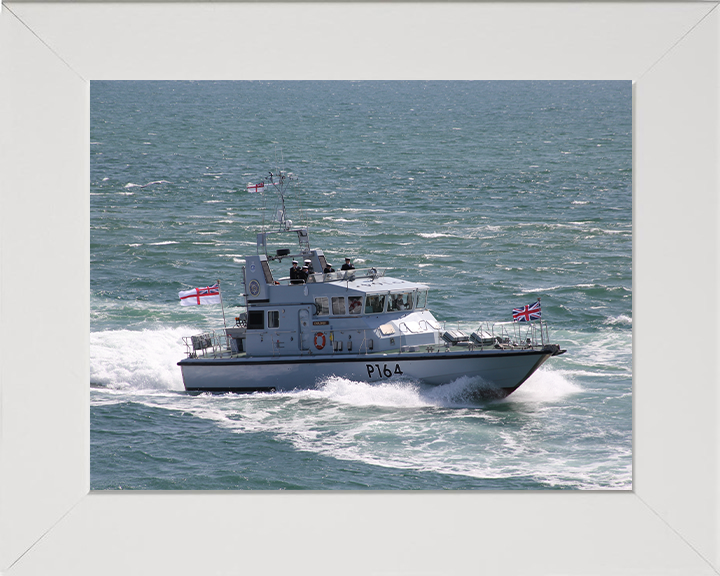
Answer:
(252, 188)
(196, 296)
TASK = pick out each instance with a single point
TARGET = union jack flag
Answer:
(197, 296)
(527, 313)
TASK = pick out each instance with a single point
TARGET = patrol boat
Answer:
(358, 324)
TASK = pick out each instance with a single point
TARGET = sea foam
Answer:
(354, 393)
(137, 359)
(546, 385)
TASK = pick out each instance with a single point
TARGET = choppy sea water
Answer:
(492, 193)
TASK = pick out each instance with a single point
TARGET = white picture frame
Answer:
(49, 520)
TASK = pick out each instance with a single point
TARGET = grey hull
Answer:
(500, 372)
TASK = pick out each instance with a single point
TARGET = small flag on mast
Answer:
(252, 188)
(527, 313)
(199, 296)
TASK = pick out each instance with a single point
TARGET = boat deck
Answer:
(217, 346)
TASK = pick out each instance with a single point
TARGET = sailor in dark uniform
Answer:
(303, 274)
(348, 265)
(328, 268)
(295, 273)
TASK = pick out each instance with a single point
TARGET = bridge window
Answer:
(338, 305)
(401, 301)
(374, 304)
(256, 320)
(322, 307)
(355, 303)
(273, 319)
(421, 298)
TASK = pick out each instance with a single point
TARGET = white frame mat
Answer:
(50, 523)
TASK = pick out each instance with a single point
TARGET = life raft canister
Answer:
(321, 336)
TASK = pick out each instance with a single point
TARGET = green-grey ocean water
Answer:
(492, 193)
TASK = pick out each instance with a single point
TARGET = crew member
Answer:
(295, 273)
(303, 274)
(348, 265)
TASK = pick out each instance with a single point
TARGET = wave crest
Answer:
(621, 320)
(138, 360)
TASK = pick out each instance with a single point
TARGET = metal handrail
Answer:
(533, 334)
(207, 345)
(344, 275)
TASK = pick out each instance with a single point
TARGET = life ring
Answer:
(322, 343)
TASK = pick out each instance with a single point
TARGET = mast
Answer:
(280, 181)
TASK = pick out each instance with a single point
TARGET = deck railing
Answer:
(344, 275)
(208, 345)
(534, 334)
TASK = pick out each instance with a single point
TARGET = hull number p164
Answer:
(385, 372)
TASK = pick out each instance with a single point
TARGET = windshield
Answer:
(374, 303)
(401, 301)
(421, 298)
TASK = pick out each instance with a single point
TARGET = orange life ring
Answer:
(322, 344)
